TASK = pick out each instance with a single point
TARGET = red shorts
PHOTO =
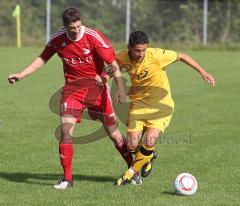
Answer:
(95, 99)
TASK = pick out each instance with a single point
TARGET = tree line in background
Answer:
(166, 22)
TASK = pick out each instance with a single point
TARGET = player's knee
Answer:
(151, 141)
(134, 149)
(116, 136)
(112, 130)
(133, 144)
(66, 139)
(118, 141)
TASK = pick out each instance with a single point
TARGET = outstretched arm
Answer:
(191, 62)
(37, 63)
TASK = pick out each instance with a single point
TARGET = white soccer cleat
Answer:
(136, 180)
(63, 184)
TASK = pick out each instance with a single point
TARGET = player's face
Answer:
(137, 52)
(73, 30)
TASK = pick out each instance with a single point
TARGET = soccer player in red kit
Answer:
(83, 52)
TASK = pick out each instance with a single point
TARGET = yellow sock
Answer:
(143, 156)
(129, 174)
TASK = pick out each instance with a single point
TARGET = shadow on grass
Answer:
(42, 179)
(170, 193)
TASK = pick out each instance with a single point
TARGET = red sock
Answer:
(66, 155)
(127, 156)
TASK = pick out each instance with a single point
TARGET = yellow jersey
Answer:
(149, 82)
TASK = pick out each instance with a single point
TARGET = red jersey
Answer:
(82, 58)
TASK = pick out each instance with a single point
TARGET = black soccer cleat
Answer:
(147, 168)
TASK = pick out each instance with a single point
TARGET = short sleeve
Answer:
(103, 47)
(107, 54)
(164, 57)
(118, 58)
(48, 52)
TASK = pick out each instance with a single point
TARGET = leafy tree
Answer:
(175, 21)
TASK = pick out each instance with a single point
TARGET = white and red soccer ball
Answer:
(185, 184)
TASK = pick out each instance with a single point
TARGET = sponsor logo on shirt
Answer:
(74, 61)
(86, 51)
(142, 74)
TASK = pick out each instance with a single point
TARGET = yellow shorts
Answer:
(140, 117)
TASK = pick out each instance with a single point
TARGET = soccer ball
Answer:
(185, 184)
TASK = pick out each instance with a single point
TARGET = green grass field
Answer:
(203, 139)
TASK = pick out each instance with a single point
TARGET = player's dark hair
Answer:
(137, 37)
(70, 15)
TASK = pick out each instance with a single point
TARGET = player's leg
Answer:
(105, 113)
(145, 152)
(150, 141)
(133, 140)
(71, 110)
(119, 142)
(147, 168)
(160, 123)
(143, 155)
(66, 151)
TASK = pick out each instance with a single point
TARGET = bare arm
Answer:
(192, 63)
(36, 64)
(119, 81)
(114, 71)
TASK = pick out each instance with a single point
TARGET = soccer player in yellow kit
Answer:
(151, 106)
